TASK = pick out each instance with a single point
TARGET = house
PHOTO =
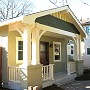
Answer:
(34, 48)
(86, 44)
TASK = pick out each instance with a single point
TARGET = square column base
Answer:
(35, 75)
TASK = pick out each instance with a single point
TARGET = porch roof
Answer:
(57, 23)
(63, 9)
(30, 19)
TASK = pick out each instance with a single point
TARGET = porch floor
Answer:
(59, 79)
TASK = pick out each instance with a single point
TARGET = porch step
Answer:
(14, 85)
(59, 79)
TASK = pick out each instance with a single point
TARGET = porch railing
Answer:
(47, 72)
(71, 67)
(14, 74)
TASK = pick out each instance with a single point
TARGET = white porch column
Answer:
(27, 46)
(26, 58)
(80, 56)
(35, 46)
(78, 49)
(79, 62)
(35, 70)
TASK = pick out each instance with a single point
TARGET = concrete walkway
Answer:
(77, 85)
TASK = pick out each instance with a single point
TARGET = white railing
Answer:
(71, 67)
(14, 74)
(47, 72)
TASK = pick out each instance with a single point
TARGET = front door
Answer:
(44, 53)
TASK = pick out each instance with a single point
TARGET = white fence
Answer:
(14, 74)
(47, 72)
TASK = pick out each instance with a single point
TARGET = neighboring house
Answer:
(34, 48)
(86, 44)
(70, 50)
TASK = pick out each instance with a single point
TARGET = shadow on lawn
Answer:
(85, 76)
(53, 87)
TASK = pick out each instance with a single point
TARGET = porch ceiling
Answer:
(55, 35)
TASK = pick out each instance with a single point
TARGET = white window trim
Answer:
(86, 52)
(54, 51)
(18, 39)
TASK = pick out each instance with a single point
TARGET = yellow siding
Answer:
(62, 16)
(12, 48)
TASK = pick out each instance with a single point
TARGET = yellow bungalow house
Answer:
(34, 48)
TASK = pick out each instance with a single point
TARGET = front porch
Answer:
(48, 76)
(59, 79)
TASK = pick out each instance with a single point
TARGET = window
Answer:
(88, 51)
(72, 49)
(88, 29)
(19, 50)
(57, 51)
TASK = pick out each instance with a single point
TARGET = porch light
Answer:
(51, 45)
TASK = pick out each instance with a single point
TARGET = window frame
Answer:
(87, 51)
(54, 53)
(17, 40)
(87, 28)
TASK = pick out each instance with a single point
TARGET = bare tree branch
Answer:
(54, 2)
(86, 3)
(58, 2)
(14, 8)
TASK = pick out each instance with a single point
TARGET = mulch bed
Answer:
(85, 76)
(53, 87)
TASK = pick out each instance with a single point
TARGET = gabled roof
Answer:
(58, 23)
(7, 22)
(30, 19)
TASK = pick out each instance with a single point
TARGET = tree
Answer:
(14, 8)
(85, 2)
(58, 3)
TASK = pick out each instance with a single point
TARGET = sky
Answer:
(77, 6)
